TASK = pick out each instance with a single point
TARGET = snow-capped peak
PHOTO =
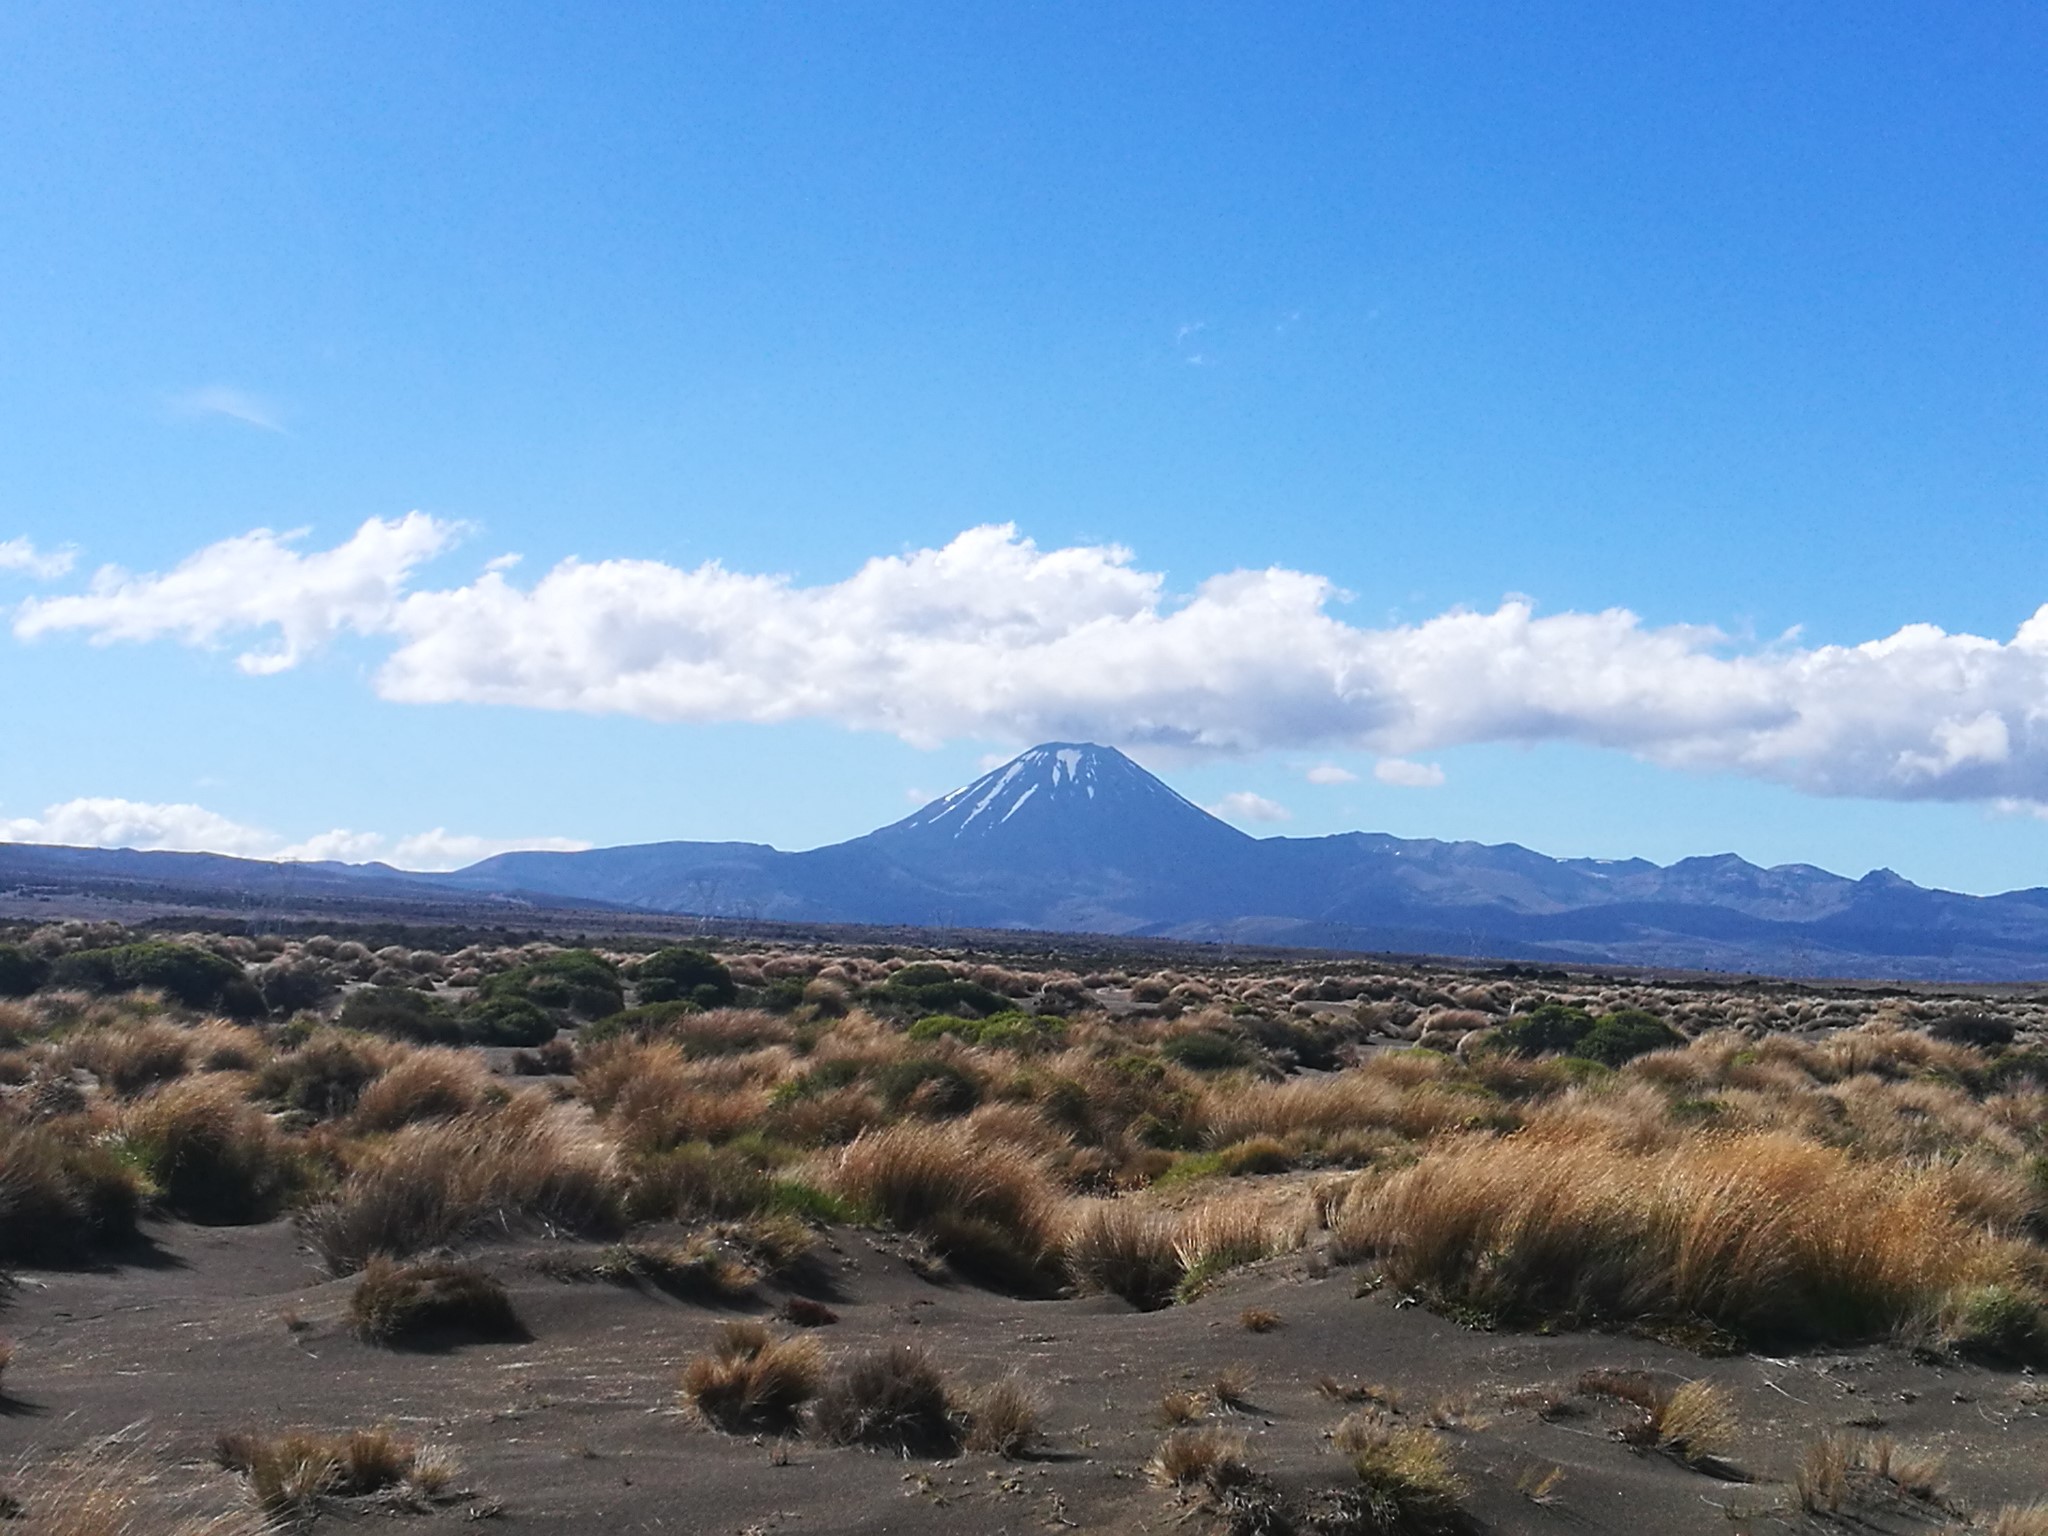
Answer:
(1048, 783)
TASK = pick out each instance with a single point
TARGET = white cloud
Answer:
(235, 404)
(1407, 774)
(110, 823)
(1330, 773)
(253, 582)
(115, 823)
(1243, 805)
(43, 565)
(991, 637)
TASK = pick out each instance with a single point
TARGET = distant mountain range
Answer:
(1078, 838)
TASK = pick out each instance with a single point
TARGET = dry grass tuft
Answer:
(752, 1380)
(1127, 1250)
(893, 1398)
(2020, 1520)
(436, 1300)
(1338, 1391)
(1410, 1467)
(291, 1473)
(1764, 1233)
(1212, 1458)
(1179, 1407)
(430, 1184)
(1822, 1477)
(989, 1208)
(110, 1489)
(1003, 1418)
(1258, 1319)
(435, 1084)
(1232, 1388)
(1697, 1422)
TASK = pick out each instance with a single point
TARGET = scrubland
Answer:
(962, 1212)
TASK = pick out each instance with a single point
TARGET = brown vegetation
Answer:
(752, 1380)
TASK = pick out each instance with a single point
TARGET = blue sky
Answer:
(1731, 318)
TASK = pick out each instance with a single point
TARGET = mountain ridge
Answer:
(1072, 836)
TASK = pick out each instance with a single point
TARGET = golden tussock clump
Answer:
(1762, 1233)
(1211, 1457)
(291, 1473)
(752, 1380)
(1003, 1418)
(432, 1084)
(113, 1488)
(428, 1184)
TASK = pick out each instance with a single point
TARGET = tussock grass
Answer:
(991, 1209)
(132, 1056)
(63, 1193)
(892, 1398)
(1210, 1457)
(211, 1156)
(751, 1380)
(1003, 1418)
(111, 1488)
(432, 1084)
(412, 1303)
(2020, 1520)
(430, 1184)
(1407, 1481)
(291, 1473)
(1765, 1234)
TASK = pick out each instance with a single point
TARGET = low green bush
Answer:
(924, 1082)
(1625, 1034)
(1008, 1030)
(919, 990)
(197, 978)
(1552, 1029)
(684, 974)
(22, 971)
(1205, 1050)
(575, 981)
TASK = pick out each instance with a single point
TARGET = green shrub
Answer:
(647, 1022)
(918, 990)
(197, 978)
(785, 994)
(289, 988)
(938, 1087)
(400, 1013)
(1552, 1028)
(509, 1021)
(576, 981)
(1204, 1050)
(683, 974)
(1008, 1030)
(825, 1077)
(1999, 1323)
(1625, 1034)
(21, 970)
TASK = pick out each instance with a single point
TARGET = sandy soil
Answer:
(579, 1429)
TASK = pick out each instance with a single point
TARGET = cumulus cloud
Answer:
(44, 565)
(234, 404)
(255, 582)
(991, 637)
(1330, 773)
(1243, 805)
(1407, 774)
(94, 822)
